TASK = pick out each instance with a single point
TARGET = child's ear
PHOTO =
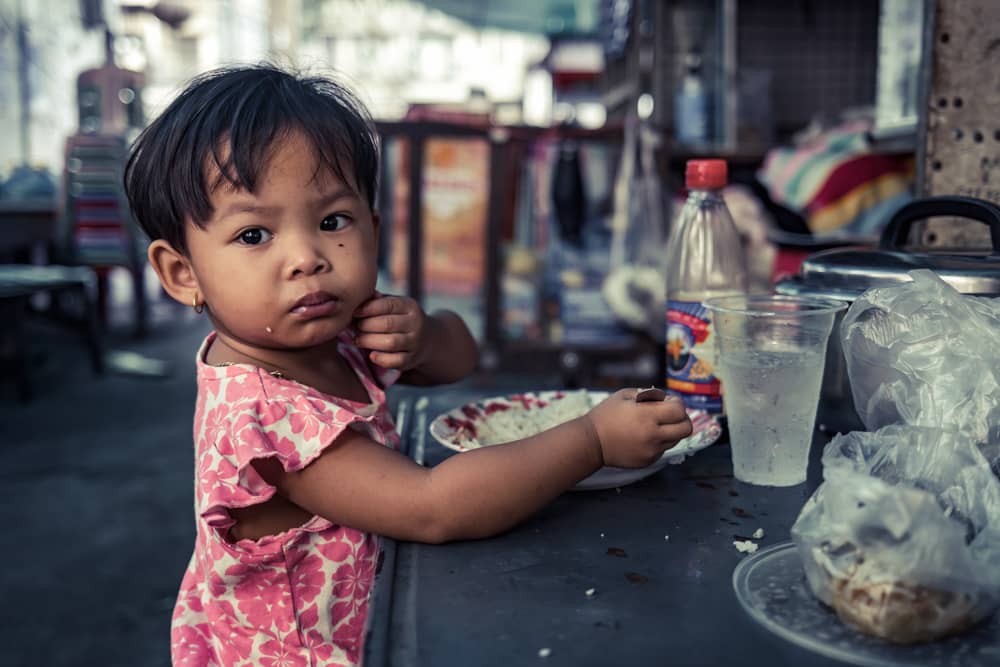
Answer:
(174, 271)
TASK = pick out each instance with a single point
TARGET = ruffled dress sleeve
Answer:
(266, 421)
(244, 414)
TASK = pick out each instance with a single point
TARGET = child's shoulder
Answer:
(248, 391)
(245, 391)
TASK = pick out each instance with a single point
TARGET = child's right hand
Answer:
(635, 435)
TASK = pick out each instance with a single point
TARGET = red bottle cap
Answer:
(706, 174)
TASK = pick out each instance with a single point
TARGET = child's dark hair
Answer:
(229, 119)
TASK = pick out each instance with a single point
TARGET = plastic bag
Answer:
(922, 353)
(902, 538)
(635, 288)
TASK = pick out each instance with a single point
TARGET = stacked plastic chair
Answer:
(99, 231)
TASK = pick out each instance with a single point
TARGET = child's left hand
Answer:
(393, 328)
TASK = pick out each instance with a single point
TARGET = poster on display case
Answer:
(455, 207)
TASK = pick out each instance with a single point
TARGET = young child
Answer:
(257, 189)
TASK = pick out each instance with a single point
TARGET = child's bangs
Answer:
(343, 145)
(221, 131)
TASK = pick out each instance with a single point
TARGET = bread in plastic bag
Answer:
(922, 353)
(902, 537)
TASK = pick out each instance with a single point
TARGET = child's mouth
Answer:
(316, 304)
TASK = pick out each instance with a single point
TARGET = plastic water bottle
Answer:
(704, 259)
(691, 105)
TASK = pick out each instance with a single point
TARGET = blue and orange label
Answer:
(690, 353)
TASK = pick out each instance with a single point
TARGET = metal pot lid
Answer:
(852, 271)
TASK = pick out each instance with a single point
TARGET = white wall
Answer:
(59, 49)
(216, 32)
(393, 52)
(398, 52)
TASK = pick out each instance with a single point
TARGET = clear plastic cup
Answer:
(770, 353)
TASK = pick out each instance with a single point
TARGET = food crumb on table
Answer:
(745, 546)
(666, 538)
(759, 533)
(590, 592)
(544, 652)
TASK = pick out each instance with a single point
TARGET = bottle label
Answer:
(690, 356)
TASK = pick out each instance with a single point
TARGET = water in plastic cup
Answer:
(770, 354)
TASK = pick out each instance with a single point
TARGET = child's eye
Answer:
(254, 236)
(334, 223)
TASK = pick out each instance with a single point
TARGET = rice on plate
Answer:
(498, 420)
(501, 420)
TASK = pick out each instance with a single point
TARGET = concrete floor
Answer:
(97, 476)
(97, 516)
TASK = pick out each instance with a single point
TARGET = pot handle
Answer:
(898, 230)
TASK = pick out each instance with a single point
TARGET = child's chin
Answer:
(321, 333)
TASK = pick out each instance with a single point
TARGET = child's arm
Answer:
(482, 492)
(428, 349)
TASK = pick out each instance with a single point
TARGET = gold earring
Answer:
(198, 307)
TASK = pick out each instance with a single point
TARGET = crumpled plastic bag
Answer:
(922, 353)
(902, 538)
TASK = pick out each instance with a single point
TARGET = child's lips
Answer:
(316, 304)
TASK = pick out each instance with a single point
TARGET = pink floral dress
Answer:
(299, 598)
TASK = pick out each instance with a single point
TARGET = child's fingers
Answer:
(670, 410)
(384, 342)
(674, 432)
(627, 394)
(381, 305)
(369, 307)
(389, 359)
(381, 323)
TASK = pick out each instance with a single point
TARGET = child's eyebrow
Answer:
(327, 199)
(246, 207)
(335, 194)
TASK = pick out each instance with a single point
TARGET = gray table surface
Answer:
(659, 554)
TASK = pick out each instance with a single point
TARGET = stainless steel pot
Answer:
(844, 274)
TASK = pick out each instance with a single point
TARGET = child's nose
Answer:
(308, 260)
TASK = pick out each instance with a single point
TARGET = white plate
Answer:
(507, 418)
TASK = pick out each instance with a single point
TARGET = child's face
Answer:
(287, 266)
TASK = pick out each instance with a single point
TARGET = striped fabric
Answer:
(837, 183)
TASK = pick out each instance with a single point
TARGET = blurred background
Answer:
(534, 156)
